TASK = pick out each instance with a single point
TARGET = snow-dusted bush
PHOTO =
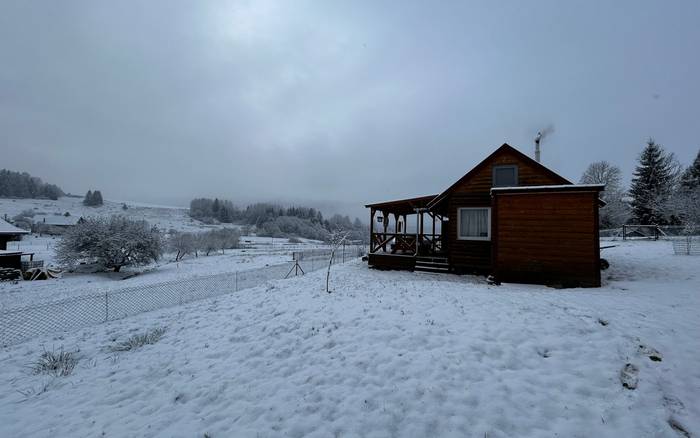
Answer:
(59, 363)
(110, 243)
(139, 340)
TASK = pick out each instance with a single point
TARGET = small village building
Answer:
(509, 216)
(55, 224)
(8, 233)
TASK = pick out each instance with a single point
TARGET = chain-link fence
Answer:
(19, 324)
(686, 245)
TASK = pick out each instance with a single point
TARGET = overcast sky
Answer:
(333, 101)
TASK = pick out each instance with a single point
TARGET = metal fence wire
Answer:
(687, 245)
(22, 323)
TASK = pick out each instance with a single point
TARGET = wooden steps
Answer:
(432, 264)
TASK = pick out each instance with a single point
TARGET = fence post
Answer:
(343, 251)
(236, 281)
(106, 306)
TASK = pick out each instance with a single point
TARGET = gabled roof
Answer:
(485, 161)
(8, 228)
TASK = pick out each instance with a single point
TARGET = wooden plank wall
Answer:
(475, 255)
(547, 238)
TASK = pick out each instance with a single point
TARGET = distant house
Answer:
(55, 224)
(9, 232)
(509, 216)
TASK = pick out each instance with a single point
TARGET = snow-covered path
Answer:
(387, 354)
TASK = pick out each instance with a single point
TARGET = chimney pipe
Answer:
(538, 137)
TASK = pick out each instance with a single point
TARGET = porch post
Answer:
(385, 223)
(433, 241)
(417, 228)
(371, 229)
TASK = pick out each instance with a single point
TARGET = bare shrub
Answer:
(59, 363)
(139, 340)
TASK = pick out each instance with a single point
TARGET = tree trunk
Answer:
(117, 268)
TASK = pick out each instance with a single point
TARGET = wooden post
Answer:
(371, 229)
(432, 243)
(417, 228)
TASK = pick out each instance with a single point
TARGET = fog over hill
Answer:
(323, 103)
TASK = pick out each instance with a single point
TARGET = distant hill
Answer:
(23, 185)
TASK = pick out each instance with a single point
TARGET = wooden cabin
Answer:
(509, 216)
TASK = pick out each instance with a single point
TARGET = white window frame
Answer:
(459, 224)
(504, 166)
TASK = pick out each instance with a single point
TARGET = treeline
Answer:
(277, 221)
(662, 191)
(23, 185)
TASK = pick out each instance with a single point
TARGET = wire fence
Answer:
(649, 232)
(20, 324)
(687, 245)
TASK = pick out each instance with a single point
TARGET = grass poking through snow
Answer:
(139, 340)
(54, 363)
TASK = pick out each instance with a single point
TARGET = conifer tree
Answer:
(97, 198)
(88, 198)
(691, 177)
(652, 184)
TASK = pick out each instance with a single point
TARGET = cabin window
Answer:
(474, 224)
(505, 176)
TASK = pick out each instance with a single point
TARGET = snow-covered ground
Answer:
(164, 217)
(256, 252)
(386, 354)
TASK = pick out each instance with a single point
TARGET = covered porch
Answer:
(405, 230)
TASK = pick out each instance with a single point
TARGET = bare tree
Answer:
(182, 244)
(617, 210)
(603, 172)
(336, 240)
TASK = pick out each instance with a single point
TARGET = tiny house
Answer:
(509, 216)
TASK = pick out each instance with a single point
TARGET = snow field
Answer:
(386, 354)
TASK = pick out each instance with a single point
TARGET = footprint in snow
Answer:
(651, 353)
(629, 376)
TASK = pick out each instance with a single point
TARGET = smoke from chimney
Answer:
(541, 135)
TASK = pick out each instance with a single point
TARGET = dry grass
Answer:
(54, 363)
(139, 340)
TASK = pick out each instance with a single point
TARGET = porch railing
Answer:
(399, 243)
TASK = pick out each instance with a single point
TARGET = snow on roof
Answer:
(57, 220)
(552, 187)
(8, 228)
(8, 252)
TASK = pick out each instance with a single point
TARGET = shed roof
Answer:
(402, 206)
(8, 228)
(552, 188)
